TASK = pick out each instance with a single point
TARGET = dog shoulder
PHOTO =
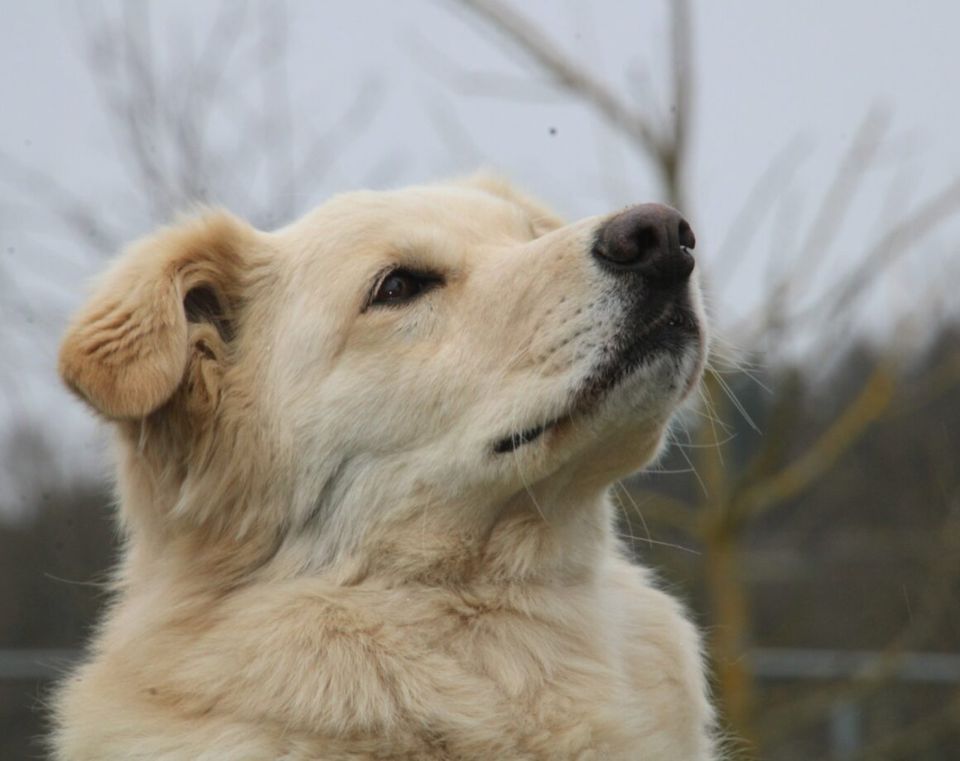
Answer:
(663, 660)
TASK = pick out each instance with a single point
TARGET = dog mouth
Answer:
(669, 333)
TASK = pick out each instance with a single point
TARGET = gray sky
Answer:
(768, 74)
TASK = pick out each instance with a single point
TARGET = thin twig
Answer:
(565, 72)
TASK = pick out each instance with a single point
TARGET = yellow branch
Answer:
(870, 404)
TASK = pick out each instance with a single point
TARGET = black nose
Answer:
(648, 239)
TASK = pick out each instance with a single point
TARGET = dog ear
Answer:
(162, 315)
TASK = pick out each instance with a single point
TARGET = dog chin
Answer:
(650, 393)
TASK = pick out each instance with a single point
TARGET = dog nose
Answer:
(649, 239)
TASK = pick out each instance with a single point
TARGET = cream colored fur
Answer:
(324, 558)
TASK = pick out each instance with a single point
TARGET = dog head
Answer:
(434, 351)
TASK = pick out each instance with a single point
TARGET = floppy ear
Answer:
(165, 306)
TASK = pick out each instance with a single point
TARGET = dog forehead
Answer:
(377, 219)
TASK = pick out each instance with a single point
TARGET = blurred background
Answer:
(809, 510)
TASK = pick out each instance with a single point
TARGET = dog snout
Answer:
(651, 240)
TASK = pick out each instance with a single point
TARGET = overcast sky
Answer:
(768, 75)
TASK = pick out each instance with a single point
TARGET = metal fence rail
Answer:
(795, 663)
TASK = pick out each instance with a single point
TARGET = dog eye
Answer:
(402, 286)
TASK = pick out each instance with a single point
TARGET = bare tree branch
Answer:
(847, 182)
(567, 73)
(730, 254)
(869, 405)
(772, 314)
(897, 242)
(79, 216)
(675, 150)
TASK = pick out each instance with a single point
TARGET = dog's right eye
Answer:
(402, 286)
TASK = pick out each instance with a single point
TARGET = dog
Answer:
(363, 465)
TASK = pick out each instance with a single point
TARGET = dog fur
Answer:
(324, 555)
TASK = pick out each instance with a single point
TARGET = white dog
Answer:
(362, 484)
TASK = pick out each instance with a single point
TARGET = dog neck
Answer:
(528, 540)
(556, 530)
(535, 536)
